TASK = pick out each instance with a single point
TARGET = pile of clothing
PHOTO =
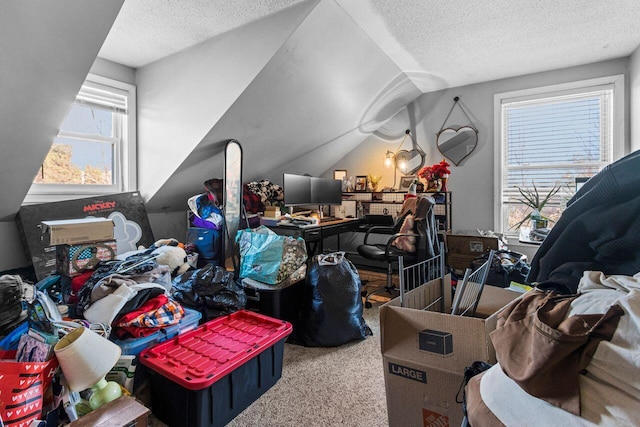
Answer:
(259, 194)
(131, 295)
(567, 351)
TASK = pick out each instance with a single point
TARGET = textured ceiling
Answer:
(453, 43)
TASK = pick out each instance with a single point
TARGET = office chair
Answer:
(426, 241)
(469, 291)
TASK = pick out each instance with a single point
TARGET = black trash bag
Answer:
(211, 290)
(331, 313)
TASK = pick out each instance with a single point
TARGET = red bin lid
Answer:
(198, 358)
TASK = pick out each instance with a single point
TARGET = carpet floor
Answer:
(336, 386)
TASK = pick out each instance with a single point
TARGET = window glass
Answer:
(548, 140)
(94, 150)
(72, 161)
(88, 120)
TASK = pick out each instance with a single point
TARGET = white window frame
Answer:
(617, 128)
(125, 157)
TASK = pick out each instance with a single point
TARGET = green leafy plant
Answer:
(374, 180)
(534, 200)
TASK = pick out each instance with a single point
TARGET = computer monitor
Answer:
(326, 191)
(297, 190)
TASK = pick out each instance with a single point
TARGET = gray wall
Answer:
(472, 182)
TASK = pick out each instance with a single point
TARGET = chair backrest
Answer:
(469, 290)
(425, 226)
(426, 244)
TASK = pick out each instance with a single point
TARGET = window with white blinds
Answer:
(548, 138)
(94, 150)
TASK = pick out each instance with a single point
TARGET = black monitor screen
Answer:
(326, 191)
(297, 190)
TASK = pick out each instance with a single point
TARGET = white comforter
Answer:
(610, 392)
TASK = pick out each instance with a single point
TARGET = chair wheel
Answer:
(367, 304)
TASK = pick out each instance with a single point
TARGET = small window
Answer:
(550, 137)
(94, 151)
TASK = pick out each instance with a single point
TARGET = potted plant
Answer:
(374, 180)
(534, 200)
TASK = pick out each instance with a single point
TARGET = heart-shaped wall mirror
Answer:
(409, 162)
(456, 144)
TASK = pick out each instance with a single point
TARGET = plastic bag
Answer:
(331, 313)
(211, 290)
(260, 254)
(23, 387)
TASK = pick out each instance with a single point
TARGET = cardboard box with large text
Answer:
(425, 353)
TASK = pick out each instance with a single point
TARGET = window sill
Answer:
(37, 198)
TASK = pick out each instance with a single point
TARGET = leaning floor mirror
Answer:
(232, 195)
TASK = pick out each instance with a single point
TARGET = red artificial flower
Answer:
(437, 171)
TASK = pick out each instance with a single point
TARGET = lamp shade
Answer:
(85, 357)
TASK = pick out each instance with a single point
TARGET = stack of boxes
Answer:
(80, 244)
(272, 212)
(271, 215)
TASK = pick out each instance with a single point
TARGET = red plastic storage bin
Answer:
(209, 375)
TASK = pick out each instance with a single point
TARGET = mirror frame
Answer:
(233, 194)
(456, 130)
(417, 168)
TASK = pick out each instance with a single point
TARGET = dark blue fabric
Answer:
(331, 313)
(599, 230)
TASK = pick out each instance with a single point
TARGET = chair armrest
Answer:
(376, 228)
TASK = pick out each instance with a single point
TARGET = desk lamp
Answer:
(85, 359)
(390, 162)
(398, 159)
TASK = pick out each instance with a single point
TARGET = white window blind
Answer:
(96, 95)
(94, 151)
(548, 138)
(551, 141)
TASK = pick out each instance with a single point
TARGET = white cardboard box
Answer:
(74, 231)
(425, 353)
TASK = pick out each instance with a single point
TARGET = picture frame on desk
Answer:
(361, 183)
(405, 182)
(340, 174)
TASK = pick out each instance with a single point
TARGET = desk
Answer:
(313, 235)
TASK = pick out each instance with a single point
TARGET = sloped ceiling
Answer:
(462, 41)
(47, 49)
(299, 83)
(310, 104)
(309, 97)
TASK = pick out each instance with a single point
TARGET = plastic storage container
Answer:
(133, 346)
(207, 376)
(280, 302)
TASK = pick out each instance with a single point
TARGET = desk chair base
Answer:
(388, 288)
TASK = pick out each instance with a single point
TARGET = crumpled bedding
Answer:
(610, 390)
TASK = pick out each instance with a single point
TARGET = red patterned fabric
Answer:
(252, 202)
(156, 313)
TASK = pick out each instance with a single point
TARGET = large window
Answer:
(94, 151)
(550, 136)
